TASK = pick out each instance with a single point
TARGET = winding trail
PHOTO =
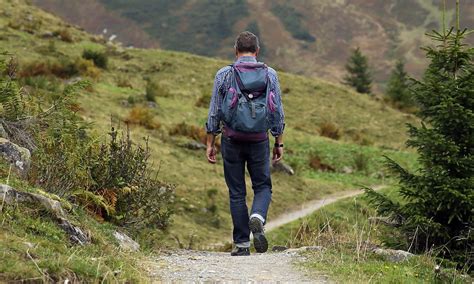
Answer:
(311, 206)
(187, 266)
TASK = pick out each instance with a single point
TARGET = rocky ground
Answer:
(216, 267)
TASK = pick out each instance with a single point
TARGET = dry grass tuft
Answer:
(192, 131)
(65, 35)
(142, 116)
(330, 130)
(316, 164)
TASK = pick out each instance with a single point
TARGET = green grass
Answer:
(34, 248)
(347, 236)
(184, 77)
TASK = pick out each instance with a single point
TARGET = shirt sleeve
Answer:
(213, 118)
(278, 121)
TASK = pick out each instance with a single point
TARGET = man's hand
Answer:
(277, 154)
(211, 153)
(278, 151)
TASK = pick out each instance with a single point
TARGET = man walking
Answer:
(245, 105)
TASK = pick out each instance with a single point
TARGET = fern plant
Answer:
(10, 93)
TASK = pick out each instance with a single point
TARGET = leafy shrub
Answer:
(142, 116)
(154, 90)
(99, 58)
(122, 176)
(330, 130)
(60, 160)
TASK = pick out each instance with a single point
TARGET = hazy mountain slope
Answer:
(95, 18)
(367, 128)
(304, 37)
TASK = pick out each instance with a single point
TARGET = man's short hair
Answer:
(247, 42)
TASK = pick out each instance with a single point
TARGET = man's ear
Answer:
(257, 52)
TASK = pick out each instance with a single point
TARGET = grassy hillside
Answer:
(293, 32)
(362, 129)
(349, 239)
(35, 249)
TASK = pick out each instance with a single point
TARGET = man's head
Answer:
(246, 44)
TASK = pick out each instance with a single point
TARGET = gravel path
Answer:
(186, 266)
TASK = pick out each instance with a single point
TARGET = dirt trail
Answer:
(186, 266)
(311, 206)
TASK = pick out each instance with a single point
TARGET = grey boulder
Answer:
(283, 168)
(125, 242)
(393, 255)
(18, 156)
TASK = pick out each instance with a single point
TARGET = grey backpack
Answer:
(249, 103)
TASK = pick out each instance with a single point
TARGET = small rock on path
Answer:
(217, 267)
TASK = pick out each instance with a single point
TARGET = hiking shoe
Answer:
(240, 251)
(259, 240)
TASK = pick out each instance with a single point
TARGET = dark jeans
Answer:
(257, 156)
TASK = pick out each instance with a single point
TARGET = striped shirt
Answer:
(222, 83)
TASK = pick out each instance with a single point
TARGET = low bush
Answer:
(64, 35)
(192, 131)
(63, 68)
(142, 116)
(316, 164)
(122, 176)
(124, 82)
(154, 90)
(131, 100)
(87, 68)
(99, 58)
(361, 163)
(42, 83)
(330, 130)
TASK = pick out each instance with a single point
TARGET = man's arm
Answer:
(213, 120)
(278, 121)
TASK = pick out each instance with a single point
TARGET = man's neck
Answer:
(246, 54)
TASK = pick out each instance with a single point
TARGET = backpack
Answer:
(248, 103)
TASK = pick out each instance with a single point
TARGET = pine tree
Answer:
(358, 75)
(398, 89)
(438, 207)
